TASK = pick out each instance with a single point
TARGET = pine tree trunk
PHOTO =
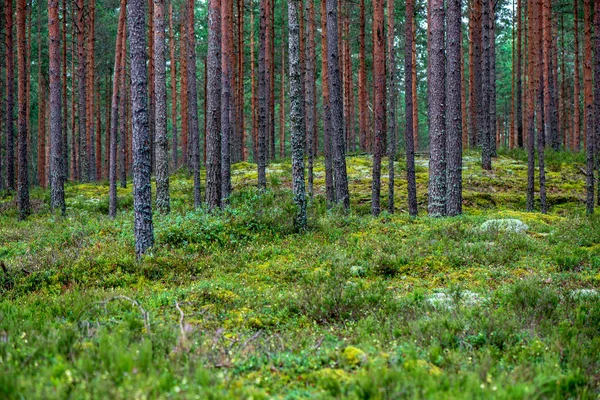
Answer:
(65, 116)
(282, 104)
(519, 83)
(494, 139)
(57, 193)
(309, 85)
(484, 114)
(263, 94)
(342, 195)
(193, 130)
(540, 107)
(597, 76)
(114, 115)
(173, 72)
(512, 129)
(82, 92)
(589, 105)
(409, 107)
(475, 96)
(253, 104)
(226, 98)
(297, 103)
(213, 96)
(91, 89)
(362, 84)
(454, 113)
(327, 146)
(74, 141)
(379, 83)
(123, 112)
(142, 195)
(184, 96)
(414, 79)
(41, 132)
(576, 90)
(391, 86)
(160, 108)
(10, 82)
(23, 182)
(151, 92)
(437, 107)
(530, 106)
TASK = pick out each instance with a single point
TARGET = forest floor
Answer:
(237, 304)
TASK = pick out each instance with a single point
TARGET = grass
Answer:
(237, 304)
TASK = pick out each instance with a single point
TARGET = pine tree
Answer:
(297, 112)
(484, 112)
(213, 98)
(454, 113)
(192, 97)
(588, 105)
(173, 72)
(10, 81)
(409, 107)
(437, 110)
(227, 98)
(310, 88)
(57, 195)
(142, 195)
(160, 109)
(337, 121)
(23, 181)
(391, 86)
(82, 92)
(327, 146)
(379, 83)
(114, 115)
(263, 94)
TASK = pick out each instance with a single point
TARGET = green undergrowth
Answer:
(238, 304)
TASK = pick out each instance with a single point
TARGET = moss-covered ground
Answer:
(237, 304)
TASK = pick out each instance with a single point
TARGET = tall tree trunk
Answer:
(576, 91)
(173, 72)
(519, 99)
(512, 130)
(263, 94)
(142, 195)
(117, 95)
(454, 113)
(23, 183)
(124, 112)
(253, 89)
(337, 121)
(597, 73)
(213, 96)
(151, 92)
(484, 114)
(414, 79)
(475, 72)
(437, 109)
(391, 86)
(589, 105)
(409, 107)
(540, 106)
(241, 150)
(160, 108)
(282, 104)
(492, 111)
(379, 83)
(550, 105)
(327, 146)
(362, 82)
(41, 128)
(227, 100)
(309, 87)
(298, 123)
(65, 117)
(74, 140)
(193, 131)
(10, 82)
(463, 94)
(184, 96)
(91, 89)
(82, 92)
(531, 89)
(57, 194)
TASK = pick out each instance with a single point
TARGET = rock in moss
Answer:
(511, 225)
(353, 356)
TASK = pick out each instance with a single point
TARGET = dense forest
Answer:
(147, 144)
